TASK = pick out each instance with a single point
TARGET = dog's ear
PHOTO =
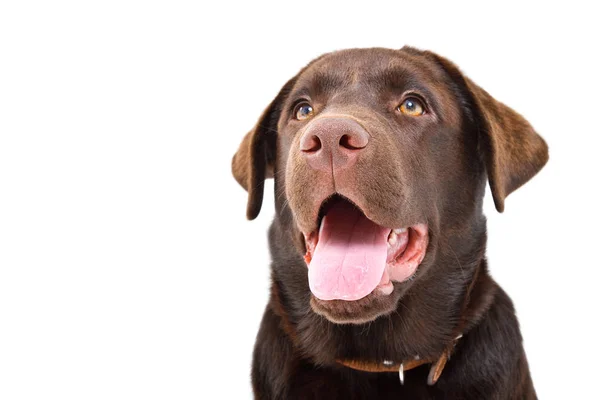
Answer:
(513, 151)
(255, 158)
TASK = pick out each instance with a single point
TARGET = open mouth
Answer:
(350, 256)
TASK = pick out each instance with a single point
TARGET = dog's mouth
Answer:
(350, 256)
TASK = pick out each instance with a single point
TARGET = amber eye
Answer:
(303, 111)
(412, 106)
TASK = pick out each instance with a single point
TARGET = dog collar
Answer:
(437, 365)
(388, 365)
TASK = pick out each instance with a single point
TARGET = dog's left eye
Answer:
(412, 106)
(303, 111)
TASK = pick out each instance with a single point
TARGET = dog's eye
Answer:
(303, 111)
(412, 106)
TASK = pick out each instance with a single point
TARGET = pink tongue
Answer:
(350, 256)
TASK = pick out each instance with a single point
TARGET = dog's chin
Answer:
(376, 304)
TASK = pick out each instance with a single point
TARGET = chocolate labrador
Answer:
(380, 287)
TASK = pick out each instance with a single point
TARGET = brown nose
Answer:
(333, 143)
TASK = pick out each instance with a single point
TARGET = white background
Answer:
(127, 269)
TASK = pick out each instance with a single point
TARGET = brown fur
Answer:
(429, 169)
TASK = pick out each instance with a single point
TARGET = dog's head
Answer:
(380, 158)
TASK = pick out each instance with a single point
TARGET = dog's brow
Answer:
(302, 92)
(320, 84)
(401, 79)
(326, 82)
(398, 77)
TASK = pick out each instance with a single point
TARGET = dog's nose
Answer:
(333, 143)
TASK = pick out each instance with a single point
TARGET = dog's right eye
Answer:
(412, 106)
(303, 111)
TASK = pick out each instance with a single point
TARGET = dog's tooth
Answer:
(392, 238)
(400, 231)
(321, 228)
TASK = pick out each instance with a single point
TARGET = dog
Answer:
(380, 287)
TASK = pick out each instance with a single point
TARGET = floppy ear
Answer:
(255, 158)
(513, 151)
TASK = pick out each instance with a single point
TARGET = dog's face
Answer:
(380, 159)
